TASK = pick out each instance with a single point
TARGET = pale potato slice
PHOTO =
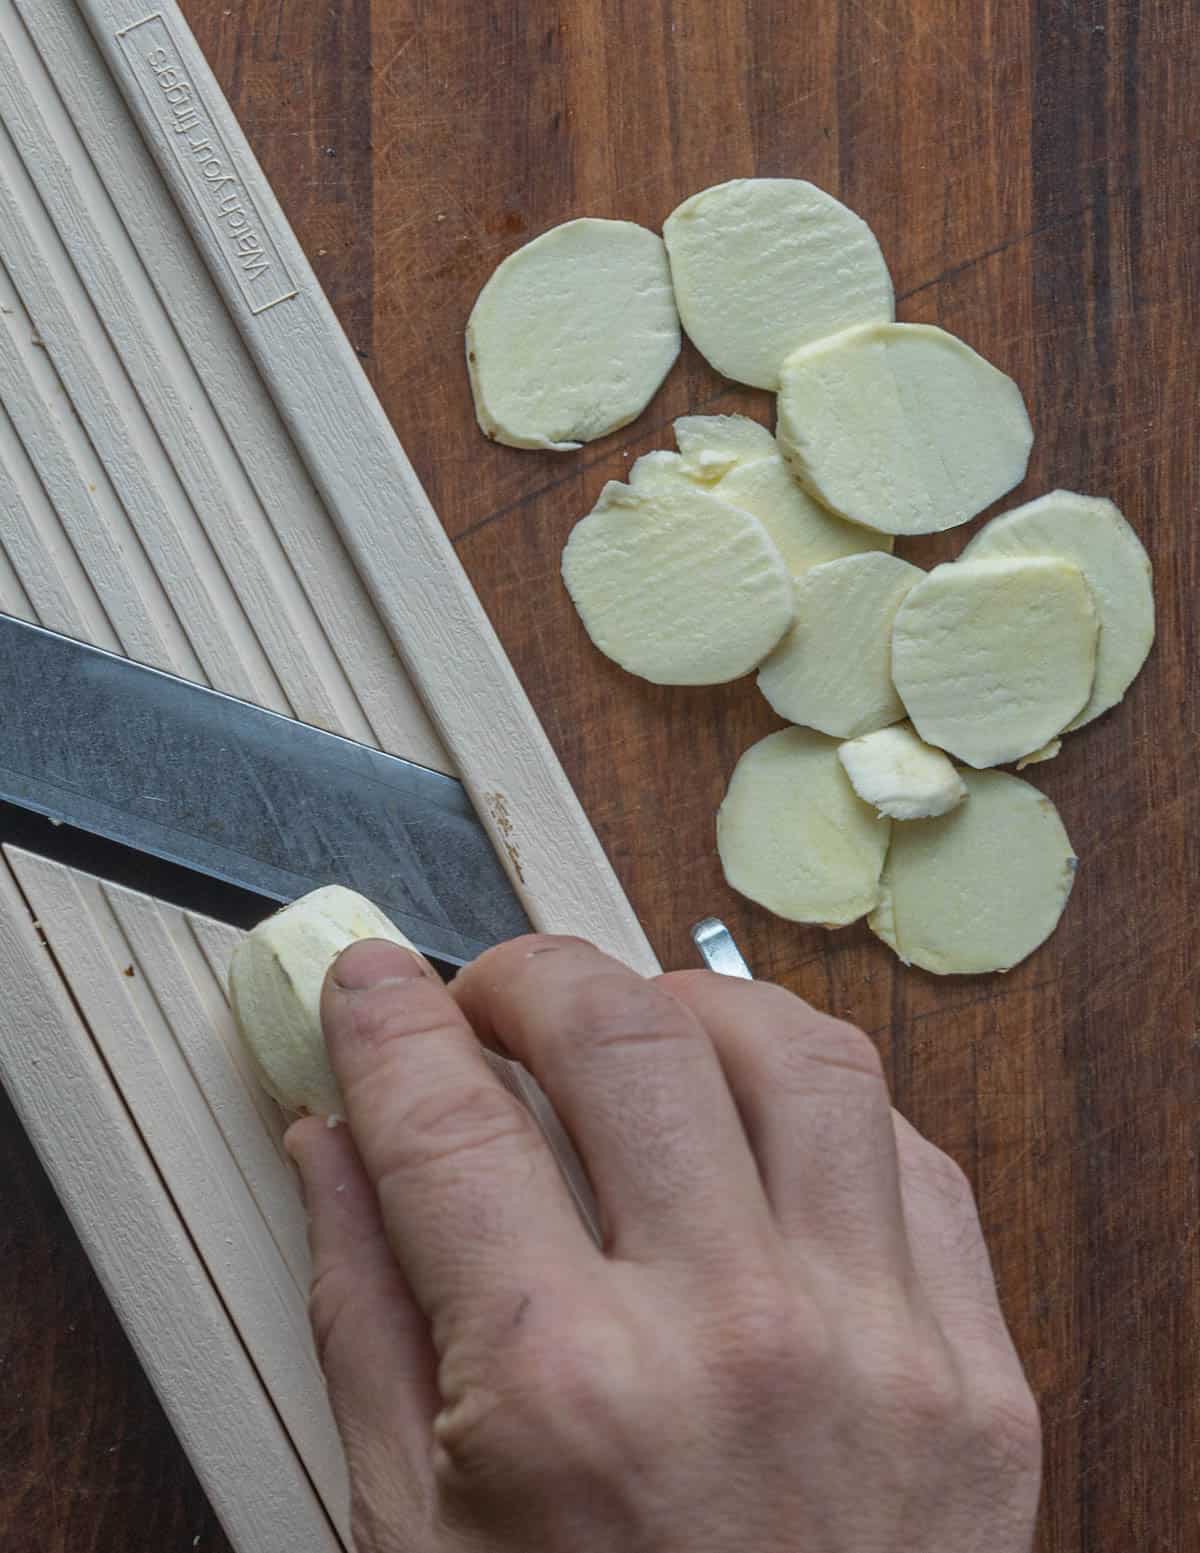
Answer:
(793, 836)
(994, 658)
(572, 335)
(1091, 533)
(980, 888)
(833, 669)
(902, 427)
(805, 532)
(901, 776)
(660, 471)
(275, 980)
(711, 445)
(763, 265)
(1047, 752)
(677, 586)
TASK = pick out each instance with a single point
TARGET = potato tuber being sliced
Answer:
(572, 335)
(763, 265)
(994, 658)
(793, 835)
(980, 888)
(677, 586)
(1092, 534)
(900, 776)
(902, 427)
(275, 980)
(833, 669)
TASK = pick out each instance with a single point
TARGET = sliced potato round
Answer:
(275, 980)
(832, 671)
(677, 586)
(660, 471)
(994, 658)
(980, 888)
(805, 532)
(1091, 533)
(1047, 752)
(710, 445)
(900, 776)
(793, 836)
(572, 335)
(763, 265)
(902, 427)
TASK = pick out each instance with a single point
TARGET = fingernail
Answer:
(375, 960)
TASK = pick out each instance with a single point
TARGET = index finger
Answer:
(473, 1204)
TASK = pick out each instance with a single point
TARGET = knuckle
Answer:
(772, 1340)
(829, 1043)
(1008, 1424)
(563, 1381)
(944, 1179)
(613, 1009)
(455, 1123)
(922, 1390)
(330, 1299)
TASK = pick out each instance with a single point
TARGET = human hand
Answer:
(789, 1342)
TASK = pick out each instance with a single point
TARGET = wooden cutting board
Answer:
(1031, 171)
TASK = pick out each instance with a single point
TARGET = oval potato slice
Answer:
(832, 671)
(1091, 533)
(902, 427)
(275, 980)
(980, 888)
(805, 532)
(711, 445)
(763, 265)
(900, 776)
(660, 470)
(677, 586)
(793, 835)
(994, 658)
(572, 335)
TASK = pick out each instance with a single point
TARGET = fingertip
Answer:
(371, 961)
(319, 1152)
(296, 1140)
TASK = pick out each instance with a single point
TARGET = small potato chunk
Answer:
(763, 265)
(900, 776)
(677, 586)
(711, 445)
(793, 836)
(660, 471)
(572, 335)
(275, 980)
(902, 427)
(833, 669)
(805, 532)
(980, 888)
(1091, 533)
(994, 658)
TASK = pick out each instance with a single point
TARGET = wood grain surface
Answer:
(1031, 170)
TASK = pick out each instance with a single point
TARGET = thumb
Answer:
(371, 1339)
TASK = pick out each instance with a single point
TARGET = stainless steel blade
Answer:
(243, 794)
